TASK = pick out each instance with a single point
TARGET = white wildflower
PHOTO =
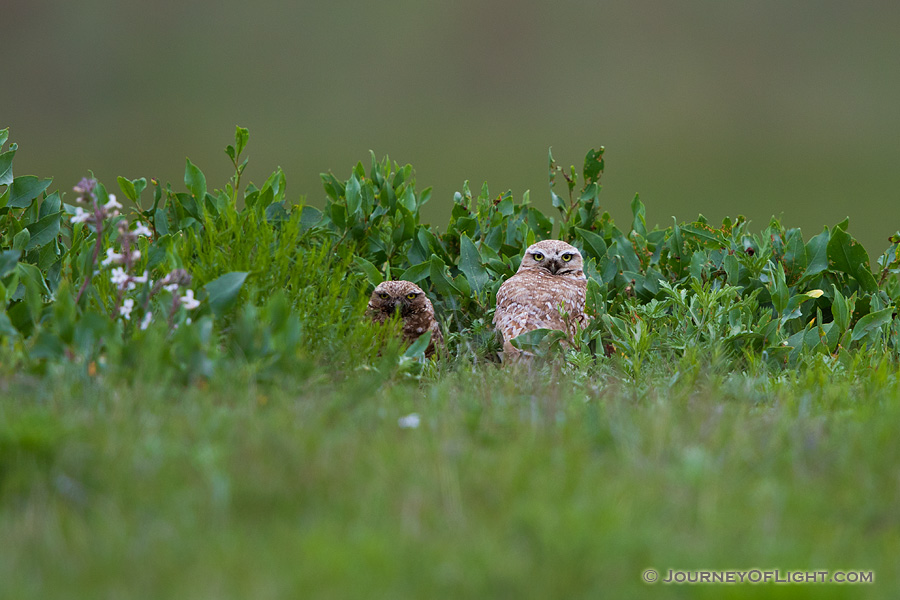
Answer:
(189, 301)
(410, 421)
(143, 278)
(172, 287)
(111, 257)
(81, 215)
(119, 277)
(112, 204)
(143, 230)
(145, 322)
(126, 308)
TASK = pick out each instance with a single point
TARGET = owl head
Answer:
(403, 296)
(556, 256)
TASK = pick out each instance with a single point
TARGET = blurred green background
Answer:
(757, 108)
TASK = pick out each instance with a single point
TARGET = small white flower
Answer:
(189, 301)
(143, 230)
(135, 255)
(172, 287)
(112, 204)
(126, 308)
(145, 322)
(111, 257)
(410, 421)
(81, 215)
(119, 277)
(142, 279)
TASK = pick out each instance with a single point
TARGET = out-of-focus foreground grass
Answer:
(516, 484)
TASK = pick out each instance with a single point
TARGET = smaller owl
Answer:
(414, 307)
(550, 278)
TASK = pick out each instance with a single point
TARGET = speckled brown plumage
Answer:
(415, 309)
(551, 275)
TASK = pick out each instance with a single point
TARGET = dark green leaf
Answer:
(6, 171)
(25, 189)
(241, 136)
(471, 264)
(354, 197)
(816, 255)
(593, 166)
(871, 322)
(8, 260)
(417, 272)
(593, 243)
(417, 348)
(223, 292)
(369, 270)
(43, 232)
(195, 181)
(848, 256)
(51, 204)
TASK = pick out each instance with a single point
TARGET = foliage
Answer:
(241, 273)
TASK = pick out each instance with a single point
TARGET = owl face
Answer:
(556, 256)
(403, 296)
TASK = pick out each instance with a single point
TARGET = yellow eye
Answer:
(567, 257)
(384, 296)
(538, 256)
(411, 296)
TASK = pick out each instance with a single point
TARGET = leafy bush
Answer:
(188, 282)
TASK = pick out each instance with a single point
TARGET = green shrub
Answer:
(201, 280)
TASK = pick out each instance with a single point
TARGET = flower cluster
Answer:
(124, 262)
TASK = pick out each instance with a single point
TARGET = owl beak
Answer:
(554, 266)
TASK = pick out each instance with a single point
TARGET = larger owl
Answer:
(550, 277)
(416, 311)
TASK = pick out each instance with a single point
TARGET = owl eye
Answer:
(567, 256)
(384, 296)
(538, 256)
(411, 296)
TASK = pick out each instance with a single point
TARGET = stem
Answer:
(98, 223)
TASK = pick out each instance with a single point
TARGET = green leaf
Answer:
(195, 181)
(25, 189)
(593, 243)
(439, 279)
(732, 268)
(309, 217)
(241, 136)
(369, 270)
(531, 340)
(417, 273)
(223, 292)
(21, 239)
(816, 255)
(418, 347)
(872, 321)
(593, 166)
(840, 309)
(132, 188)
(848, 256)
(354, 197)
(6, 171)
(8, 260)
(43, 232)
(471, 265)
(639, 223)
(51, 204)
(4, 135)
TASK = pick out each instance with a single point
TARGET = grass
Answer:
(527, 484)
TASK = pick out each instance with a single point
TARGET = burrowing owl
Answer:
(551, 276)
(414, 307)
